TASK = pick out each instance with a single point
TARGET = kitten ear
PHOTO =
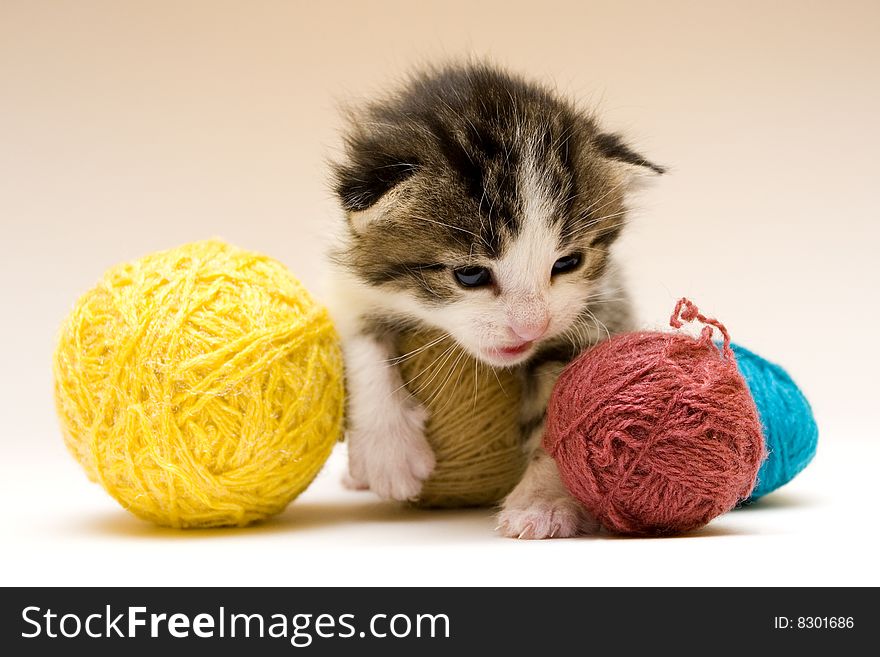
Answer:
(633, 167)
(367, 178)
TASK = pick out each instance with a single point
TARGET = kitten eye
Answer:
(472, 276)
(566, 264)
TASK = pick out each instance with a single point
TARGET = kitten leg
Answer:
(540, 506)
(387, 449)
(353, 484)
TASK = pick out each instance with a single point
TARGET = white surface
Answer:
(821, 529)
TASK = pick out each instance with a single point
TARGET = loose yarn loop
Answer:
(473, 423)
(656, 433)
(201, 386)
(687, 311)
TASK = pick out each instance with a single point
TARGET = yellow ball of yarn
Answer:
(201, 386)
(473, 422)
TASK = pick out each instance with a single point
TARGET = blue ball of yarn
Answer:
(790, 430)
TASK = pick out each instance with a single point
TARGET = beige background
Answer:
(127, 127)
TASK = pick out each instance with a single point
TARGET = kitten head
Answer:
(483, 205)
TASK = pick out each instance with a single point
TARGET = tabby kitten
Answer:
(485, 206)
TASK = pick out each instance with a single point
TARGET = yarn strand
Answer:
(688, 311)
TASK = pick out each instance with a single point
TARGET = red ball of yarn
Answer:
(656, 433)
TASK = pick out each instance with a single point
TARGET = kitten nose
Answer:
(528, 316)
(531, 329)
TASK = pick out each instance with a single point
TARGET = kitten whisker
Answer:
(450, 226)
(579, 230)
(421, 372)
(598, 322)
(432, 370)
(396, 360)
(452, 370)
(616, 187)
(454, 352)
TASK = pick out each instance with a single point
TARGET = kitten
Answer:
(485, 206)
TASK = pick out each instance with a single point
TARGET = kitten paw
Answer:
(353, 483)
(393, 460)
(562, 518)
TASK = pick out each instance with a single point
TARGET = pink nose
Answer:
(529, 331)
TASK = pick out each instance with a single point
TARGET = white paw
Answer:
(392, 456)
(558, 518)
(351, 483)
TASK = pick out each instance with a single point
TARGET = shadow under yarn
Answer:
(706, 531)
(310, 515)
(302, 516)
(470, 523)
(779, 500)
